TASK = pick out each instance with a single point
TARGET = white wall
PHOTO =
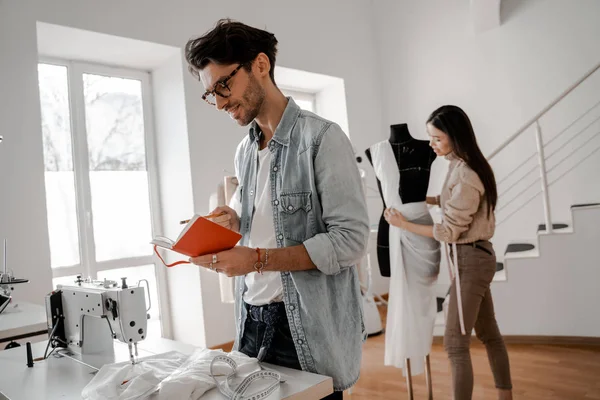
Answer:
(566, 261)
(185, 313)
(431, 55)
(399, 60)
(22, 193)
(307, 42)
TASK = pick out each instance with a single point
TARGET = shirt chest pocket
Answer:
(295, 215)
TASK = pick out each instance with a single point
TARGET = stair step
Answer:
(518, 247)
(500, 276)
(440, 301)
(520, 254)
(585, 205)
(542, 227)
(440, 320)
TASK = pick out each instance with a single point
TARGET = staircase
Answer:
(546, 277)
(553, 290)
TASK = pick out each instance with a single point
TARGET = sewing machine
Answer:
(86, 317)
(83, 321)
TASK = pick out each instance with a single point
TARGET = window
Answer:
(305, 100)
(96, 133)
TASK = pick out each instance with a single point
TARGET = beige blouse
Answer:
(464, 206)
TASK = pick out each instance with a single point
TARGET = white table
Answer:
(24, 320)
(64, 378)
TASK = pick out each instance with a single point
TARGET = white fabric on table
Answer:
(174, 375)
(142, 378)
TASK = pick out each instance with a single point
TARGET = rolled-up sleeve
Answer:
(458, 212)
(340, 191)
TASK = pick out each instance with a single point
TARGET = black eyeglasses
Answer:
(220, 88)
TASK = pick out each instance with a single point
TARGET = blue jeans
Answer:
(281, 351)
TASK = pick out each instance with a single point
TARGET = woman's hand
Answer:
(431, 200)
(394, 217)
(226, 217)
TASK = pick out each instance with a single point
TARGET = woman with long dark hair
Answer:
(468, 200)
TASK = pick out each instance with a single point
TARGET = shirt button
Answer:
(280, 237)
(275, 169)
(300, 341)
(290, 208)
(292, 308)
(276, 202)
(252, 193)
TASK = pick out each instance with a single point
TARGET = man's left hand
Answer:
(238, 261)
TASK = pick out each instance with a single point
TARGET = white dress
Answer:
(414, 267)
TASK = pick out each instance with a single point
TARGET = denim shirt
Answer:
(318, 201)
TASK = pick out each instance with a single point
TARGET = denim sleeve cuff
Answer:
(322, 254)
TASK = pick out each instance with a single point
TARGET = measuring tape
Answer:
(239, 392)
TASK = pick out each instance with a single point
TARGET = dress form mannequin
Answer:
(413, 267)
(414, 158)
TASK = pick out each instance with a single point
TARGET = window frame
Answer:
(297, 94)
(88, 266)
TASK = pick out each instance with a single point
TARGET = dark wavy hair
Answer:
(230, 42)
(455, 123)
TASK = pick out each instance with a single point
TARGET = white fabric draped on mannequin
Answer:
(414, 265)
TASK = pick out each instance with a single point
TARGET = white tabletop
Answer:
(64, 378)
(22, 318)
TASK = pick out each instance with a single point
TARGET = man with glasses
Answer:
(303, 217)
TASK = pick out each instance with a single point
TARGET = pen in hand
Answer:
(185, 221)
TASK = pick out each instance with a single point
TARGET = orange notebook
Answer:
(199, 237)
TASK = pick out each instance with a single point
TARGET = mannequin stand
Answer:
(409, 386)
(408, 379)
(428, 378)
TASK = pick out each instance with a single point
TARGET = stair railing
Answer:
(540, 145)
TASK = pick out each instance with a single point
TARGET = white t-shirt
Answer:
(266, 288)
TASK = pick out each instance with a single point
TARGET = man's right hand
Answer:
(229, 218)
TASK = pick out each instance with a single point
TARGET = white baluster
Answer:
(542, 163)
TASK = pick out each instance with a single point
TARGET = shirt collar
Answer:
(284, 128)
